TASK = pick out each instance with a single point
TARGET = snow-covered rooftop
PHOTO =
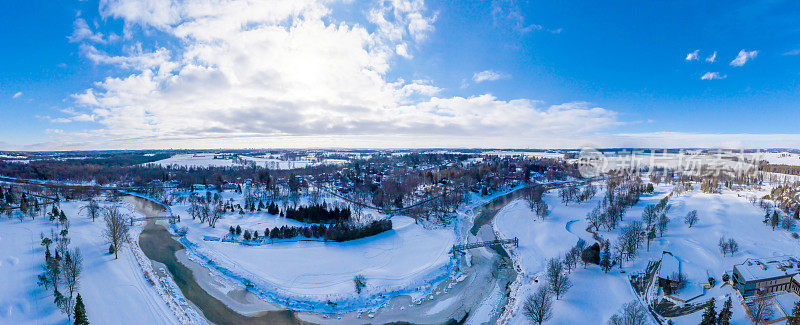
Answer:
(765, 268)
(670, 265)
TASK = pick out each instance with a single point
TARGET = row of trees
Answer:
(573, 193)
(655, 217)
(728, 246)
(202, 210)
(533, 196)
(348, 231)
(318, 213)
(62, 272)
(538, 307)
(710, 316)
(336, 232)
(774, 219)
(622, 193)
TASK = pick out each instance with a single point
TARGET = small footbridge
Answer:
(171, 218)
(462, 247)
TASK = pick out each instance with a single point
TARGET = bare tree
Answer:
(650, 215)
(194, 208)
(733, 246)
(663, 220)
(572, 257)
(557, 279)
(92, 209)
(215, 215)
(728, 246)
(723, 246)
(631, 238)
(540, 208)
(788, 222)
(116, 231)
(359, 281)
(72, 267)
(691, 218)
(774, 220)
(761, 308)
(539, 306)
(205, 211)
(595, 218)
(631, 314)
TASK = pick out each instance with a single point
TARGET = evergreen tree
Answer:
(794, 318)
(605, 261)
(710, 315)
(726, 313)
(80, 312)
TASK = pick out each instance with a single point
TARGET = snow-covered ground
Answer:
(409, 259)
(271, 162)
(596, 296)
(779, 158)
(219, 160)
(114, 291)
(195, 160)
(539, 240)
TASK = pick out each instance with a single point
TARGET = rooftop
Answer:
(764, 268)
(670, 265)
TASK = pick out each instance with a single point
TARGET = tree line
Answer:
(318, 213)
(337, 232)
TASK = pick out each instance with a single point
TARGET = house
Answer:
(766, 275)
(669, 273)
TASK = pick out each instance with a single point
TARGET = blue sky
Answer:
(402, 73)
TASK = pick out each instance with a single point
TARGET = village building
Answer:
(670, 274)
(766, 275)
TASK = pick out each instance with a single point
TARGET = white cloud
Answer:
(489, 75)
(402, 50)
(17, 95)
(701, 140)
(792, 52)
(289, 72)
(136, 59)
(712, 58)
(743, 57)
(712, 76)
(693, 55)
(82, 32)
(506, 13)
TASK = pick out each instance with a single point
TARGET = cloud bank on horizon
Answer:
(314, 73)
(245, 73)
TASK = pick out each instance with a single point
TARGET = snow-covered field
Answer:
(409, 259)
(274, 163)
(779, 158)
(540, 240)
(114, 291)
(218, 160)
(596, 296)
(195, 160)
(320, 271)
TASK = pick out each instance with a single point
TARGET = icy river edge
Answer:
(452, 298)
